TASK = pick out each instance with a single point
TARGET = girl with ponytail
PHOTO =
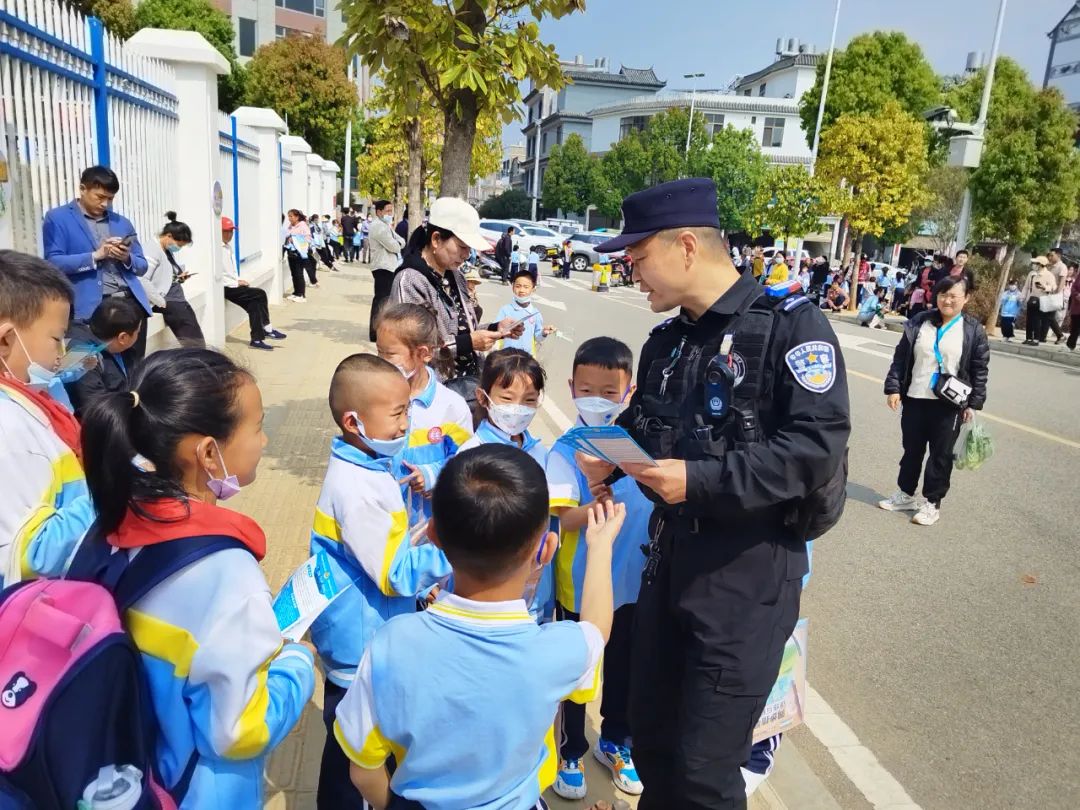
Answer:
(159, 458)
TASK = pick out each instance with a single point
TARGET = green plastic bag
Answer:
(973, 447)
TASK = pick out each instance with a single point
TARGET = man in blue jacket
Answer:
(98, 250)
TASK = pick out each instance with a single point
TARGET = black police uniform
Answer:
(721, 587)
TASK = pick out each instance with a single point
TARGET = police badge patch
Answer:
(813, 365)
(738, 365)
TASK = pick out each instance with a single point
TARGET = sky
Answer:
(722, 38)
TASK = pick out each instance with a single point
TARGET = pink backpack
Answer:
(79, 729)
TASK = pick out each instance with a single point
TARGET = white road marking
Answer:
(561, 420)
(856, 760)
(547, 302)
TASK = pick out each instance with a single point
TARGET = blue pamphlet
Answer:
(609, 442)
(307, 593)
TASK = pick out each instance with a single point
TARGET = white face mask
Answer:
(408, 375)
(596, 411)
(510, 418)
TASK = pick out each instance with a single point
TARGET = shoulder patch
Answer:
(813, 365)
(660, 327)
(794, 302)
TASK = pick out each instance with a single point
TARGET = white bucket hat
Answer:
(461, 219)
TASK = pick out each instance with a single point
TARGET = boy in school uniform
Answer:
(116, 323)
(523, 284)
(361, 522)
(45, 506)
(602, 382)
(479, 733)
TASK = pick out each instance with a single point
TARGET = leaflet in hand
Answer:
(308, 592)
(609, 442)
(518, 323)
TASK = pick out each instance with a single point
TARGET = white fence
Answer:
(72, 96)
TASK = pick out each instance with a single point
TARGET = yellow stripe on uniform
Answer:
(564, 570)
(21, 544)
(456, 432)
(252, 733)
(590, 692)
(399, 531)
(162, 640)
(326, 526)
(549, 768)
(513, 615)
(66, 470)
(377, 748)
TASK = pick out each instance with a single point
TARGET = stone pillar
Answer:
(315, 196)
(296, 188)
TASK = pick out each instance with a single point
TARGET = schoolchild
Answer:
(362, 523)
(159, 460)
(479, 732)
(602, 383)
(45, 507)
(511, 384)
(115, 323)
(407, 335)
(523, 284)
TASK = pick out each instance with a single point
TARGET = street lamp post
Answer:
(346, 196)
(693, 96)
(963, 227)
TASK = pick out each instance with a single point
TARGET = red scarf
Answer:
(172, 520)
(61, 420)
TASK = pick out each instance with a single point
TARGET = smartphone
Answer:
(128, 240)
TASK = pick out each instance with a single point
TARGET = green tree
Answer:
(570, 181)
(877, 164)
(118, 16)
(304, 79)
(789, 203)
(939, 215)
(1028, 183)
(735, 163)
(205, 18)
(511, 204)
(873, 70)
(470, 55)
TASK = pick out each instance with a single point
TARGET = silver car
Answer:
(583, 247)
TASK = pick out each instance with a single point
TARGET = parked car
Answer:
(790, 254)
(544, 243)
(583, 247)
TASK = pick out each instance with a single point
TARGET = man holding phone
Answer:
(98, 250)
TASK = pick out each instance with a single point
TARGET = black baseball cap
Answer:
(689, 203)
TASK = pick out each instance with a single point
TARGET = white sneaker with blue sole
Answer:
(570, 782)
(617, 759)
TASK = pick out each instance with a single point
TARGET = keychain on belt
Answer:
(652, 551)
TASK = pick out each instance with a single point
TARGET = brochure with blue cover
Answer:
(307, 593)
(609, 442)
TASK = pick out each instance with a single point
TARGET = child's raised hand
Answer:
(548, 330)
(415, 480)
(605, 521)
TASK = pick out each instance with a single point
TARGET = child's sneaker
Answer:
(899, 501)
(570, 783)
(617, 759)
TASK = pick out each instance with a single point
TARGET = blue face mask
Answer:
(387, 448)
(173, 248)
(387, 219)
(40, 377)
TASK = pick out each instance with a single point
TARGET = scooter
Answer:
(487, 266)
(622, 271)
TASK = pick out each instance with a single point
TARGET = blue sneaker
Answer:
(570, 783)
(617, 759)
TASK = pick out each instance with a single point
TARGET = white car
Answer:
(530, 238)
(584, 254)
(769, 252)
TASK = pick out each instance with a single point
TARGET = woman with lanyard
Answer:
(163, 278)
(938, 374)
(430, 275)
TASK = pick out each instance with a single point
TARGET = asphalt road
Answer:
(949, 651)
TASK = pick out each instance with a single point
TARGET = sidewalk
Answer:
(1047, 351)
(294, 380)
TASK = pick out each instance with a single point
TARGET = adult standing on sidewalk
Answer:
(1074, 313)
(348, 230)
(1060, 271)
(1040, 282)
(163, 278)
(250, 299)
(386, 248)
(431, 275)
(298, 252)
(504, 251)
(936, 345)
(735, 468)
(98, 250)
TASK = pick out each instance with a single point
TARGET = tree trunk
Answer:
(854, 252)
(414, 142)
(1006, 269)
(460, 133)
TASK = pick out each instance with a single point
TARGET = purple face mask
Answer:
(223, 488)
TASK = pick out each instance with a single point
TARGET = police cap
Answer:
(689, 203)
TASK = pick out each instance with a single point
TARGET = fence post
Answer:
(266, 124)
(314, 180)
(197, 64)
(235, 190)
(296, 193)
(101, 90)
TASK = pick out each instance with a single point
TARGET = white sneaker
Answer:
(899, 501)
(570, 781)
(299, 299)
(927, 515)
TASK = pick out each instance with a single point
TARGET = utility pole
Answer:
(693, 95)
(346, 195)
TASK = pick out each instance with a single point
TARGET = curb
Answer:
(1050, 355)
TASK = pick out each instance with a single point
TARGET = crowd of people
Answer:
(456, 535)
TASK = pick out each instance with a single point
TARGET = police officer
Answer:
(742, 399)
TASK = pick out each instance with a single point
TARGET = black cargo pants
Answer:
(710, 629)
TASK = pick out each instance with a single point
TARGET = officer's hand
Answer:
(893, 401)
(667, 479)
(600, 491)
(595, 469)
(605, 520)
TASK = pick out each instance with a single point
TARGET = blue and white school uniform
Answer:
(533, 335)
(480, 735)
(439, 423)
(569, 488)
(361, 522)
(543, 603)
